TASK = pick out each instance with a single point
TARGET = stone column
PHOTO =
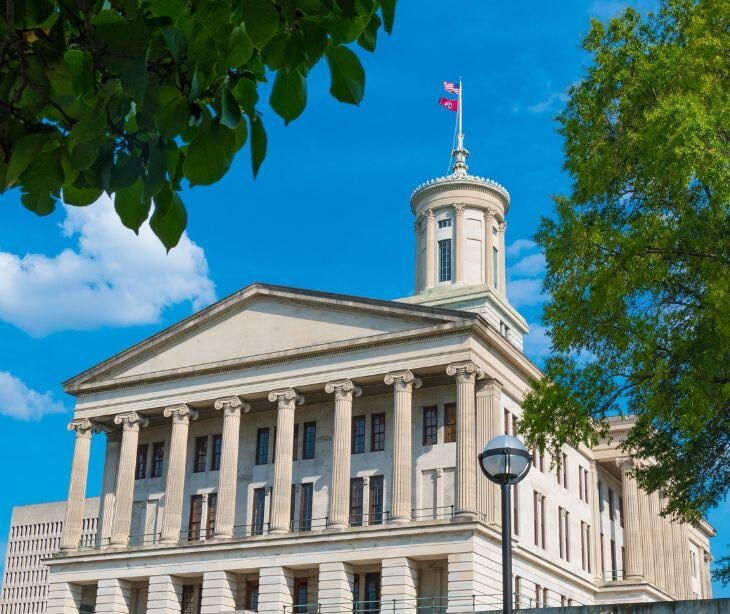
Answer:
(647, 539)
(344, 390)
(502, 259)
(466, 466)
(489, 249)
(286, 400)
(706, 575)
(399, 586)
(658, 541)
(165, 595)
(108, 484)
(488, 422)
(131, 423)
(684, 560)
(63, 598)
(276, 586)
(335, 588)
(676, 541)
(666, 530)
(419, 260)
(175, 476)
(403, 383)
(459, 247)
(219, 592)
(113, 596)
(72, 523)
(430, 266)
(633, 569)
(596, 523)
(228, 472)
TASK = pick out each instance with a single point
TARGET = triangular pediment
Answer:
(262, 321)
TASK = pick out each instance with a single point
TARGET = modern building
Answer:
(286, 450)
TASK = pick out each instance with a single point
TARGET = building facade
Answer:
(286, 450)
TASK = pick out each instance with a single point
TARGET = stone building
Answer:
(286, 450)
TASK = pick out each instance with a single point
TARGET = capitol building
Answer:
(296, 451)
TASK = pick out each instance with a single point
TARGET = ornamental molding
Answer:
(344, 388)
(459, 209)
(502, 226)
(429, 215)
(232, 405)
(286, 397)
(181, 413)
(489, 386)
(131, 421)
(402, 380)
(464, 371)
(625, 463)
(83, 427)
(468, 181)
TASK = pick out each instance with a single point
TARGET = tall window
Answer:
(600, 496)
(259, 504)
(158, 456)
(305, 507)
(295, 445)
(252, 596)
(430, 426)
(212, 507)
(377, 433)
(262, 446)
(356, 510)
(564, 533)
(310, 437)
(372, 593)
(614, 575)
(300, 595)
(358, 434)
(196, 517)
(621, 511)
(292, 506)
(445, 260)
(539, 509)
(187, 601)
(495, 266)
(215, 459)
(450, 423)
(603, 556)
(507, 422)
(611, 506)
(561, 470)
(585, 546)
(201, 454)
(376, 500)
(140, 471)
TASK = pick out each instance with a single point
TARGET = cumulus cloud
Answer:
(530, 265)
(526, 272)
(537, 343)
(519, 246)
(525, 292)
(111, 277)
(19, 401)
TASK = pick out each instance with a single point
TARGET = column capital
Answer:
(402, 379)
(464, 371)
(489, 215)
(625, 463)
(285, 397)
(459, 208)
(488, 386)
(429, 214)
(131, 421)
(180, 413)
(343, 388)
(502, 226)
(83, 427)
(232, 405)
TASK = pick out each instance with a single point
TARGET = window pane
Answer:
(215, 461)
(295, 451)
(377, 435)
(376, 499)
(445, 260)
(358, 434)
(212, 505)
(429, 426)
(450, 423)
(158, 457)
(305, 507)
(262, 446)
(356, 486)
(188, 599)
(310, 437)
(140, 471)
(201, 454)
(196, 514)
(259, 502)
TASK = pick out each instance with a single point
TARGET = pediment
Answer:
(260, 321)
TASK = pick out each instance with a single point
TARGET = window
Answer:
(694, 563)
(445, 260)
(600, 497)
(196, 517)
(450, 423)
(305, 507)
(252, 596)
(585, 547)
(514, 425)
(518, 590)
(430, 426)
(539, 509)
(614, 575)
(300, 595)
(212, 506)
(201, 454)
(376, 500)
(262, 446)
(215, 459)
(158, 456)
(538, 596)
(621, 512)
(259, 504)
(564, 533)
(310, 437)
(358, 434)
(507, 422)
(356, 593)
(445, 223)
(377, 433)
(292, 506)
(583, 483)
(561, 469)
(187, 601)
(495, 266)
(295, 445)
(140, 471)
(372, 593)
(356, 509)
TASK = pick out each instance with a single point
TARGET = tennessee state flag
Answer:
(447, 103)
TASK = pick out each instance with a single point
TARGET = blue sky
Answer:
(329, 211)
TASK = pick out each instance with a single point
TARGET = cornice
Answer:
(472, 182)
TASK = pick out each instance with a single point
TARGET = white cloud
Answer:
(551, 102)
(537, 343)
(112, 277)
(530, 266)
(525, 292)
(519, 246)
(19, 401)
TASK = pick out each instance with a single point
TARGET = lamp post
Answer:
(505, 461)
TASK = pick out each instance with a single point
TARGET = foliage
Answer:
(132, 97)
(638, 254)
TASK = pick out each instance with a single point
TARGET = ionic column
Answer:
(131, 423)
(633, 569)
(175, 476)
(502, 259)
(71, 535)
(706, 575)
(596, 523)
(466, 477)
(489, 249)
(460, 248)
(430, 249)
(286, 400)
(488, 393)
(684, 560)
(666, 530)
(419, 263)
(658, 541)
(228, 472)
(647, 539)
(403, 383)
(344, 390)
(108, 484)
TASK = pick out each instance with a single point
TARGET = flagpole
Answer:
(461, 134)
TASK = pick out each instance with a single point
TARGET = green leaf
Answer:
(258, 143)
(23, 154)
(73, 195)
(347, 74)
(369, 37)
(78, 63)
(132, 205)
(41, 202)
(169, 218)
(84, 155)
(289, 94)
(156, 169)
(124, 172)
(173, 110)
(240, 48)
(314, 42)
(230, 111)
(209, 155)
(387, 8)
(261, 19)
(246, 94)
(175, 41)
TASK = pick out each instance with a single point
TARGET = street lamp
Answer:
(505, 461)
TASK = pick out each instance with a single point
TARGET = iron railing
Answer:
(362, 520)
(612, 575)
(251, 530)
(309, 524)
(432, 513)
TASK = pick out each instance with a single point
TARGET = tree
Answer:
(132, 97)
(638, 254)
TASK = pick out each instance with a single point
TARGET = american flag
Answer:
(451, 87)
